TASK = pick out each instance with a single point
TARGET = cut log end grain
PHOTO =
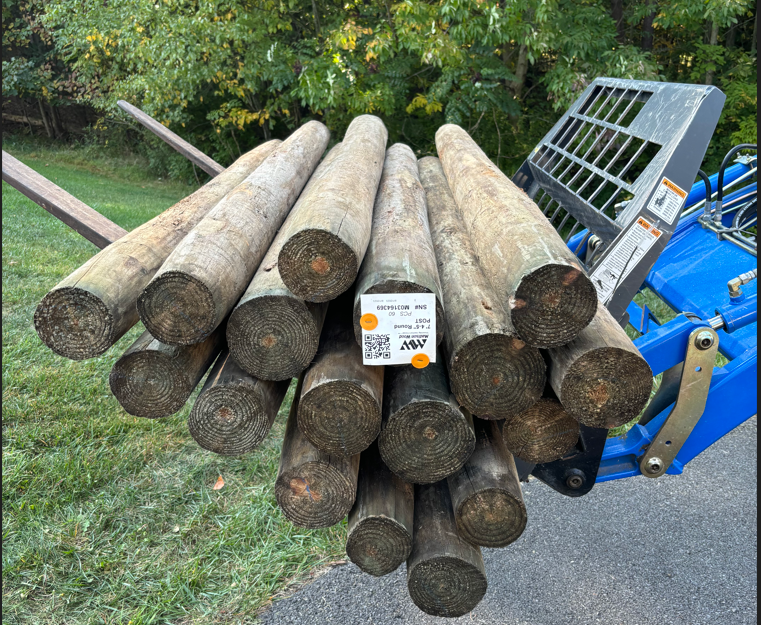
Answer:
(378, 545)
(552, 305)
(273, 337)
(543, 433)
(328, 417)
(177, 309)
(74, 323)
(497, 375)
(491, 518)
(446, 586)
(317, 265)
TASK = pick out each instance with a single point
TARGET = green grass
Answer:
(108, 518)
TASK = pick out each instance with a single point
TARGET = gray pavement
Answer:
(678, 550)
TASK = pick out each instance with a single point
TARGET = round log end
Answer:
(229, 420)
(552, 305)
(177, 309)
(496, 376)
(446, 586)
(317, 265)
(543, 433)
(149, 384)
(491, 518)
(272, 337)
(339, 417)
(426, 441)
(314, 494)
(607, 387)
(378, 545)
(74, 323)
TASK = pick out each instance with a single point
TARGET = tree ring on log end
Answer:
(491, 518)
(446, 586)
(177, 309)
(552, 305)
(272, 337)
(339, 417)
(74, 323)
(317, 265)
(496, 376)
(607, 387)
(378, 545)
(543, 433)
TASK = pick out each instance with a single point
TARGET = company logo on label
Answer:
(413, 344)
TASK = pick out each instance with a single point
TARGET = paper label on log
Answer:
(622, 258)
(398, 329)
(667, 200)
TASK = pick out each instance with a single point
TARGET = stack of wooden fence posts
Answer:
(263, 268)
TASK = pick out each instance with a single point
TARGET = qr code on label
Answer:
(377, 346)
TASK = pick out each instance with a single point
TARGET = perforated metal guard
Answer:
(584, 168)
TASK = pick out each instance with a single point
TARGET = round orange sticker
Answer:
(369, 321)
(420, 361)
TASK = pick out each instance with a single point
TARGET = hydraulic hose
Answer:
(720, 182)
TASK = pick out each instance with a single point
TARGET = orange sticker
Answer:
(420, 361)
(369, 321)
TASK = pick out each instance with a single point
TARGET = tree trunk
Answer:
(424, 437)
(273, 334)
(445, 574)
(617, 13)
(340, 406)
(154, 380)
(492, 372)
(600, 377)
(400, 257)
(234, 411)
(713, 41)
(486, 493)
(379, 536)
(203, 278)
(549, 296)
(521, 68)
(313, 489)
(56, 122)
(316, 14)
(647, 27)
(328, 231)
(45, 120)
(91, 309)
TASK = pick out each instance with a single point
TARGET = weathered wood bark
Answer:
(379, 536)
(234, 411)
(400, 257)
(445, 574)
(328, 231)
(313, 489)
(154, 380)
(194, 155)
(340, 407)
(600, 377)
(91, 309)
(203, 278)
(549, 296)
(424, 437)
(272, 333)
(76, 214)
(486, 493)
(493, 373)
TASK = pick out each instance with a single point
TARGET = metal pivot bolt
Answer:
(575, 479)
(654, 465)
(704, 340)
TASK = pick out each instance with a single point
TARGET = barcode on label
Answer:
(377, 346)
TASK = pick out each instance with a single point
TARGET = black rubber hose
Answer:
(724, 163)
(707, 182)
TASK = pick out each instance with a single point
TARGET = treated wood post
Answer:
(379, 536)
(549, 296)
(400, 257)
(493, 373)
(154, 380)
(600, 377)
(91, 309)
(340, 406)
(424, 437)
(328, 232)
(313, 489)
(272, 333)
(203, 278)
(445, 574)
(234, 411)
(486, 493)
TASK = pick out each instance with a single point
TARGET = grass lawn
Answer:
(108, 518)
